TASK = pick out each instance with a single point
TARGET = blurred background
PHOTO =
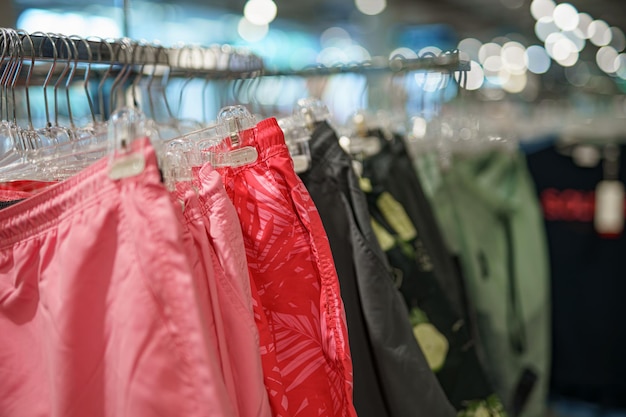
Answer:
(519, 49)
(540, 71)
(576, 42)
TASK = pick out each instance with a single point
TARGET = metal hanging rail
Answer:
(215, 61)
(444, 62)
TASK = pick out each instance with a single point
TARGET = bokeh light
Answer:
(251, 32)
(600, 33)
(260, 12)
(515, 83)
(371, 7)
(487, 50)
(584, 20)
(542, 8)
(545, 27)
(513, 57)
(618, 40)
(537, 59)
(606, 58)
(470, 46)
(565, 16)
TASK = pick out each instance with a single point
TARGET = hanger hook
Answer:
(25, 35)
(68, 59)
(123, 46)
(133, 45)
(165, 79)
(111, 60)
(142, 46)
(18, 69)
(9, 39)
(5, 50)
(188, 74)
(86, 80)
(47, 37)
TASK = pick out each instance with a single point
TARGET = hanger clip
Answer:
(239, 125)
(312, 110)
(297, 138)
(127, 130)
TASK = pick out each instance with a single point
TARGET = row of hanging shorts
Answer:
(212, 274)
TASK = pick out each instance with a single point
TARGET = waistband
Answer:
(268, 139)
(61, 200)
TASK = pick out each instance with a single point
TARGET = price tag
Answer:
(609, 213)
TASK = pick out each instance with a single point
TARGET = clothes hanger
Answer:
(12, 151)
(195, 58)
(297, 136)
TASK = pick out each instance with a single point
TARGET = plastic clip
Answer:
(126, 157)
(239, 123)
(297, 138)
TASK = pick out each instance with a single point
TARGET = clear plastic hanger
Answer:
(87, 143)
(17, 161)
(357, 138)
(52, 136)
(13, 162)
(228, 143)
(297, 137)
(194, 60)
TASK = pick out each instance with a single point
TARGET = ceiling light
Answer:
(515, 83)
(569, 60)
(561, 49)
(487, 50)
(371, 7)
(618, 40)
(513, 57)
(600, 33)
(606, 58)
(492, 64)
(260, 12)
(566, 16)
(542, 8)
(584, 20)
(576, 37)
(470, 46)
(251, 32)
(545, 27)
(537, 59)
(334, 35)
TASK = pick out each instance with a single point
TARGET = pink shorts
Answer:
(290, 261)
(212, 236)
(98, 306)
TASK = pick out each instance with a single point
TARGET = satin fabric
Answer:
(99, 313)
(290, 261)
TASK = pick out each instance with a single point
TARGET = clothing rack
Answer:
(444, 62)
(215, 61)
